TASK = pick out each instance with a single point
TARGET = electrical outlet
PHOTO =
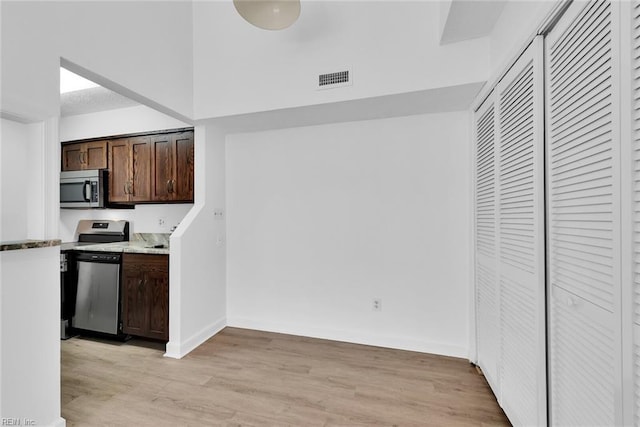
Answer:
(162, 221)
(218, 214)
(377, 304)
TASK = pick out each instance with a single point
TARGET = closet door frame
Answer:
(630, 337)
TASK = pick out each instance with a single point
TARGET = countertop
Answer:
(28, 244)
(136, 247)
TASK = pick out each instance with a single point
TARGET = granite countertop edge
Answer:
(28, 244)
(120, 247)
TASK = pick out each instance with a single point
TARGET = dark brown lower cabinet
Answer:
(145, 295)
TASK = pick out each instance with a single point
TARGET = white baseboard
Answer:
(181, 349)
(356, 337)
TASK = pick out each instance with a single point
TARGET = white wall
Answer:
(30, 331)
(393, 47)
(20, 180)
(13, 165)
(144, 218)
(322, 220)
(144, 46)
(198, 306)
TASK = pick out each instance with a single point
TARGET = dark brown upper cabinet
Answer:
(172, 162)
(129, 170)
(156, 167)
(84, 155)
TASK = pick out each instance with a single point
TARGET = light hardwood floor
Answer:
(244, 377)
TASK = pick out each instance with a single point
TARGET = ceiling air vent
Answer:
(334, 80)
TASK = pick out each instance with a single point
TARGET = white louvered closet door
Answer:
(583, 197)
(521, 273)
(486, 289)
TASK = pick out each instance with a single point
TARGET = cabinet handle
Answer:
(84, 157)
(126, 188)
(173, 184)
(168, 186)
(131, 189)
(140, 283)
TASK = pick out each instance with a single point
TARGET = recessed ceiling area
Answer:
(81, 96)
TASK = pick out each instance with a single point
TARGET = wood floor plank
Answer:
(249, 378)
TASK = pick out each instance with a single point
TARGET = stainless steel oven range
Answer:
(96, 279)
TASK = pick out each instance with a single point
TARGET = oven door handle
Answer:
(87, 184)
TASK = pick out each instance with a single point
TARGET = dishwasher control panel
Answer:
(111, 258)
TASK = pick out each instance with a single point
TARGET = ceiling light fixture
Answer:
(269, 14)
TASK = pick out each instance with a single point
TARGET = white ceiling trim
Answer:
(430, 101)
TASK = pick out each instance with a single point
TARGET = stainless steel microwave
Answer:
(83, 189)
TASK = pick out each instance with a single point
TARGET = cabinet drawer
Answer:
(146, 261)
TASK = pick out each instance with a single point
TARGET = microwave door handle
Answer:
(87, 184)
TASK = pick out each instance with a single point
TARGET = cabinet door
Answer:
(157, 288)
(183, 161)
(72, 155)
(145, 293)
(95, 155)
(134, 317)
(140, 169)
(161, 167)
(119, 170)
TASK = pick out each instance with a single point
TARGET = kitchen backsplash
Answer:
(142, 219)
(151, 239)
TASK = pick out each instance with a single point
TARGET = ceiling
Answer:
(464, 19)
(91, 101)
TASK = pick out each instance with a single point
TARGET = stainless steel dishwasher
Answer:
(98, 292)
(96, 278)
